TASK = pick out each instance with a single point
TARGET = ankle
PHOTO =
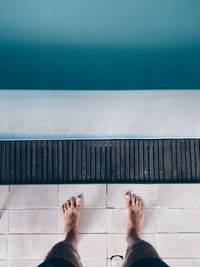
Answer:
(72, 237)
(132, 236)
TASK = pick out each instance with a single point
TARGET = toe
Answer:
(79, 201)
(65, 207)
(133, 199)
(68, 204)
(142, 209)
(128, 199)
(137, 201)
(141, 204)
(73, 202)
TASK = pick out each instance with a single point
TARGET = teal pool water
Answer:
(107, 44)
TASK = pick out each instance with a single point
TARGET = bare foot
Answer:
(71, 213)
(135, 214)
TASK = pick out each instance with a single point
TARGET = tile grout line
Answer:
(99, 233)
(96, 208)
(8, 236)
(106, 196)
(198, 258)
(156, 216)
(106, 188)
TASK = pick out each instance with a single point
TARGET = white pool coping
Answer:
(85, 114)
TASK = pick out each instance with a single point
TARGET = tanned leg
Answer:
(71, 213)
(137, 248)
(67, 249)
(135, 217)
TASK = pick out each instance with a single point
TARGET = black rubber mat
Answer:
(100, 161)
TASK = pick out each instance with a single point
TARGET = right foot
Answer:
(135, 214)
(71, 213)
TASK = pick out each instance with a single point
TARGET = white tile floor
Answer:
(30, 222)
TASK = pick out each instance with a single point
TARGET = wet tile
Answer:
(33, 196)
(179, 195)
(94, 194)
(33, 221)
(116, 192)
(31, 246)
(116, 221)
(92, 221)
(178, 245)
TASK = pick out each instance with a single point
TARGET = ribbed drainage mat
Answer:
(100, 161)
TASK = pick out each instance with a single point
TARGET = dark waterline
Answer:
(40, 66)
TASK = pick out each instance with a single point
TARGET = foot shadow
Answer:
(5, 204)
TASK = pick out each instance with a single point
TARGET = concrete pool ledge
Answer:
(85, 114)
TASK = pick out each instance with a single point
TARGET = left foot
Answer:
(71, 213)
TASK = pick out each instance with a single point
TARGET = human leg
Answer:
(67, 249)
(137, 249)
